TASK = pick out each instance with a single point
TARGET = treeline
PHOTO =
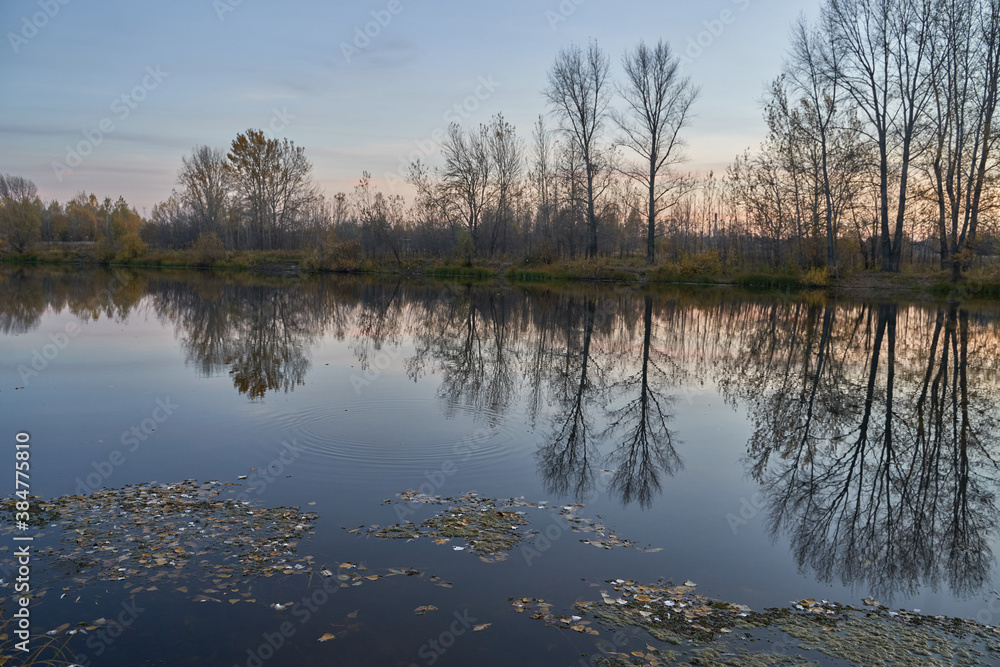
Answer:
(882, 135)
(881, 152)
(113, 226)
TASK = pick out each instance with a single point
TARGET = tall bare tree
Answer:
(578, 91)
(465, 179)
(206, 190)
(657, 107)
(814, 72)
(885, 47)
(966, 72)
(506, 153)
(541, 177)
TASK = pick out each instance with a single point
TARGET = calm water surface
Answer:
(775, 447)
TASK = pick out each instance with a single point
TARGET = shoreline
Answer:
(865, 284)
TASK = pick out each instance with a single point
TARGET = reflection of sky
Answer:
(223, 76)
(391, 435)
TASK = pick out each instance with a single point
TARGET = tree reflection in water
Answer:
(873, 425)
(875, 455)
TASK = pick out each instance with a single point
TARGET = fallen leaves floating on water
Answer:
(678, 615)
(420, 611)
(542, 610)
(481, 627)
(492, 527)
(327, 637)
(152, 532)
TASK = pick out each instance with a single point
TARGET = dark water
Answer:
(775, 447)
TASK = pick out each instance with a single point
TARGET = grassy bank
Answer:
(703, 269)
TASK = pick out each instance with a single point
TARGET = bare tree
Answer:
(966, 72)
(465, 180)
(814, 72)
(379, 217)
(578, 91)
(885, 47)
(206, 189)
(542, 179)
(658, 103)
(506, 153)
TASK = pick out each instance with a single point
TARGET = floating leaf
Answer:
(327, 637)
(481, 627)
(58, 630)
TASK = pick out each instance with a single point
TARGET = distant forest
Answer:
(881, 152)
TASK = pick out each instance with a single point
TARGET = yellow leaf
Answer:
(327, 637)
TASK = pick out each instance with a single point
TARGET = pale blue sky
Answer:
(200, 71)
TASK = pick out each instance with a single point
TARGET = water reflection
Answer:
(647, 449)
(873, 425)
(259, 334)
(873, 449)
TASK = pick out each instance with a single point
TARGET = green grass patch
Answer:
(768, 281)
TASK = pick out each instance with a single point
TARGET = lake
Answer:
(765, 447)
